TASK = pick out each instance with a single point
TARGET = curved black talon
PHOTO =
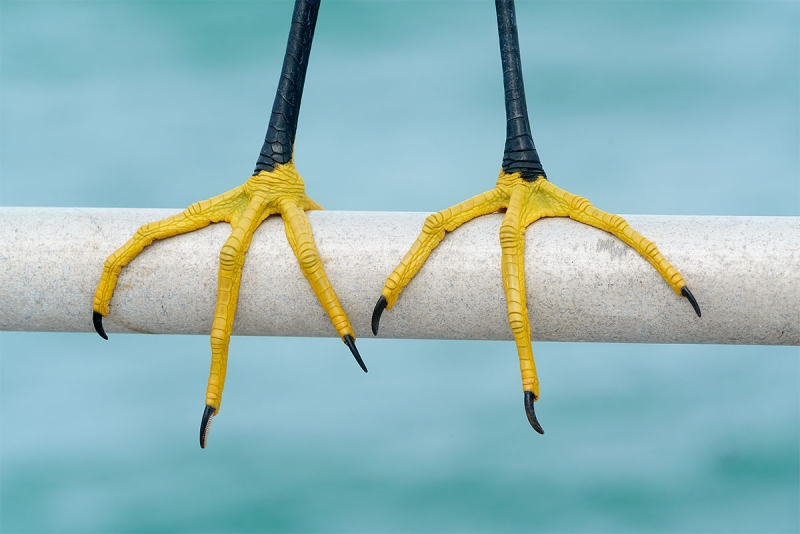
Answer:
(529, 400)
(351, 344)
(97, 319)
(376, 314)
(688, 294)
(205, 424)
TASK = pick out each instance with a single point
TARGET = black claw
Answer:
(97, 319)
(376, 314)
(529, 400)
(688, 294)
(351, 344)
(205, 424)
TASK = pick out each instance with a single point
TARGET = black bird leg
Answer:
(275, 188)
(524, 193)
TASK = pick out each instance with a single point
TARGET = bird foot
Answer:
(280, 191)
(523, 202)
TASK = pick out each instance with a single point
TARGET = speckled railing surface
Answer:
(582, 284)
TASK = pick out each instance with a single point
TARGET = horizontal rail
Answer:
(582, 284)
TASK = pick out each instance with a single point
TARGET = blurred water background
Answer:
(682, 107)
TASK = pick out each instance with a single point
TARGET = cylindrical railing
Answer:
(582, 284)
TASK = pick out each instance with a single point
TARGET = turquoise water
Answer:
(643, 107)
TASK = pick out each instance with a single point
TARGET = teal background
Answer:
(643, 107)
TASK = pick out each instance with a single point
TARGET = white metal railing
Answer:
(583, 284)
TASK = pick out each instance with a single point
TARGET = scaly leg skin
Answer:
(274, 188)
(525, 202)
(280, 191)
(524, 193)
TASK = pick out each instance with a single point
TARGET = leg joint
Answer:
(194, 209)
(509, 235)
(308, 258)
(433, 222)
(227, 256)
(517, 322)
(579, 203)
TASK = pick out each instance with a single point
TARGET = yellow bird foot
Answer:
(280, 191)
(274, 188)
(524, 202)
(525, 195)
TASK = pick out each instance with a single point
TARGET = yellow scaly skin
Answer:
(524, 203)
(280, 191)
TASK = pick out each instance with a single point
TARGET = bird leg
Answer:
(274, 188)
(525, 194)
